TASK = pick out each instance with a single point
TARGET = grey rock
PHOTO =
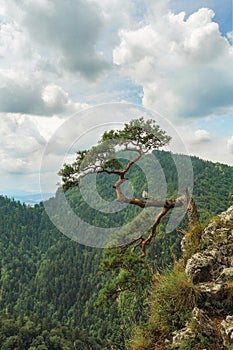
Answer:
(180, 336)
(211, 271)
(199, 324)
(215, 263)
(227, 330)
(199, 267)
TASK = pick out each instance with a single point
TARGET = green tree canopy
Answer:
(138, 136)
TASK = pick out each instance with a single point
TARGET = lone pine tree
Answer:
(140, 137)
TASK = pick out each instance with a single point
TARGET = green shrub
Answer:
(172, 300)
(193, 241)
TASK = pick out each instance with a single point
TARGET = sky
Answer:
(62, 58)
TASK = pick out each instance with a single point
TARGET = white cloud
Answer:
(70, 30)
(54, 96)
(47, 125)
(41, 47)
(209, 147)
(112, 11)
(223, 10)
(57, 100)
(13, 40)
(21, 144)
(57, 56)
(230, 144)
(23, 140)
(20, 128)
(18, 96)
(26, 94)
(182, 64)
(202, 135)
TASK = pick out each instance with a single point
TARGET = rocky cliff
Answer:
(210, 269)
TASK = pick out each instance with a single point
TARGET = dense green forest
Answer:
(58, 294)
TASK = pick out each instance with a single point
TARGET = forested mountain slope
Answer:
(49, 284)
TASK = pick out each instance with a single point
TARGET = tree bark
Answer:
(147, 241)
(184, 200)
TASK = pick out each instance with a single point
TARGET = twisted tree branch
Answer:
(184, 200)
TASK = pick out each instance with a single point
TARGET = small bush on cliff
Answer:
(193, 242)
(173, 297)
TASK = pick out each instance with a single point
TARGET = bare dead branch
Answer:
(138, 239)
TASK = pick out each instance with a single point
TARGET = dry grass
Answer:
(193, 241)
(172, 299)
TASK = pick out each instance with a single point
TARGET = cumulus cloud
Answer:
(23, 139)
(40, 45)
(27, 94)
(57, 54)
(14, 41)
(21, 144)
(20, 128)
(71, 29)
(57, 100)
(183, 64)
(223, 10)
(202, 135)
(118, 14)
(54, 96)
(18, 96)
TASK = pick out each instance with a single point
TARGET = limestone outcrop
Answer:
(211, 271)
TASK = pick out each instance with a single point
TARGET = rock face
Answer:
(203, 324)
(211, 271)
(227, 330)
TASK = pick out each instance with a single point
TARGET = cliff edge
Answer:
(191, 304)
(211, 272)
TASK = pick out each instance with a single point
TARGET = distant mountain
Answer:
(28, 198)
(34, 198)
